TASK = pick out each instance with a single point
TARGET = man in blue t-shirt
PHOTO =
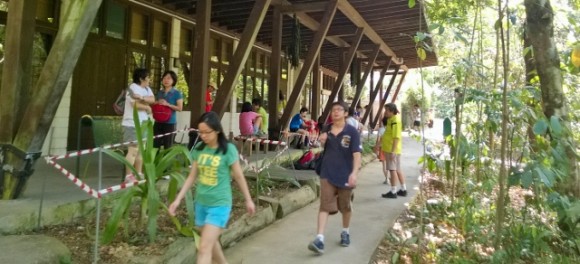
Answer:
(340, 164)
(297, 126)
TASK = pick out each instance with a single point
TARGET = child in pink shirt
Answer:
(249, 121)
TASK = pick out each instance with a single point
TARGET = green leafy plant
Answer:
(156, 164)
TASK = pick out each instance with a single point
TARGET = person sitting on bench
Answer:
(250, 121)
(297, 125)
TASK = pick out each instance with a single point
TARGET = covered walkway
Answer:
(285, 241)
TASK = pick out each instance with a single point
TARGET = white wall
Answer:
(56, 140)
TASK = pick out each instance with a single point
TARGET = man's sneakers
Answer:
(344, 239)
(316, 246)
(402, 193)
(394, 195)
(389, 195)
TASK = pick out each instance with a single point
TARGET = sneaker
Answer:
(387, 182)
(316, 246)
(344, 239)
(389, 195)
(130, 178)
(402, 193)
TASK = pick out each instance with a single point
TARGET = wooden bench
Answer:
(242, 141)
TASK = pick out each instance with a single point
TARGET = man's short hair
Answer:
(303, 109)
(342, 104)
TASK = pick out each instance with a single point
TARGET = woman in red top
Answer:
(208, 97)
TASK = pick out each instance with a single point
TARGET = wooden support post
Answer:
(200, 68)
(76, 21)
(362, 81)
(376, 91)
(313, 52)
(371, 104)
(316, 89)
(275, 72)
(399, 87)
(17, 68)
(341, 65)
(386, 95)
(241, 55)
(343, 71)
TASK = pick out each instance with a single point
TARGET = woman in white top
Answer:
(139, 96)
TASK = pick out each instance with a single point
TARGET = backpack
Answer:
(161, 113)
(119, 104)
(304, 162)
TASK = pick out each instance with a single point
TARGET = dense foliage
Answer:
(461, 216)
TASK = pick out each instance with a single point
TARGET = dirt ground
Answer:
(133, 241)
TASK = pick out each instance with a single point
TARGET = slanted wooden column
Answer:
(76, 21)
(241, 55)
(386, 95)
(316, 90)
(313, 52)
(343, 71)
(17, 68)
(371, 104)
(399, 87)
(275, 72)
(341, 65)
(375, 92)
(361, 83)
(200, 67)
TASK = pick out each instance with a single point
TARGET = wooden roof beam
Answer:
(349, 11)
(304, 7)
(342, 74)
(311, 56)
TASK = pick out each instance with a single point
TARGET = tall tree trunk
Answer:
(501, 199)
(530, 74)
(17, 158)
(540, 30)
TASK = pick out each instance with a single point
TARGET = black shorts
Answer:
(294, 129)
(417, 123)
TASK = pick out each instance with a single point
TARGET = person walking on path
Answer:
(214, 160)
(340, 165)
(392, 146)
(172, 98)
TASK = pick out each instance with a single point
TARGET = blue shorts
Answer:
(213, 215)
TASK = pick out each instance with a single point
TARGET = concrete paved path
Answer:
(286, 240)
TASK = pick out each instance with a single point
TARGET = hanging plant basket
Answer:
(293, 49)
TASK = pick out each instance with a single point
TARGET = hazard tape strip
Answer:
(86, 188)
(121, 186)
(261, 141)
(89, 151)
(253, 168)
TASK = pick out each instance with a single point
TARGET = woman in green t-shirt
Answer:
(214, 160)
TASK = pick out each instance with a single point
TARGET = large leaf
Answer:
(153, 201)
(555, 126)
(119, 209)
(544, 177)
(115, 155)
(540, 127)
(527, 179)
(421, 53)
(169, 157)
